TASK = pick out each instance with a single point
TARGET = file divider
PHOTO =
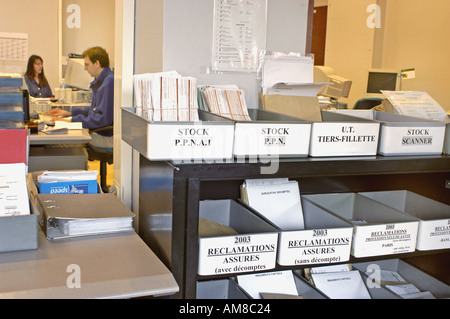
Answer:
(326, 239)
(377, 229)
(402, 135)
(253, 248)
(211, 138)
(434, 224)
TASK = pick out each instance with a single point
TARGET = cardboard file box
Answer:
(418, 278)
(434, 224)
(254, 248)
(270, 133)
(378, 229)
(211, 138)
(325, 239)
(403, 135)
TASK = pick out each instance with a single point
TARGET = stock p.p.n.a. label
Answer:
(190, 141)
(237, 254)
(315, 246)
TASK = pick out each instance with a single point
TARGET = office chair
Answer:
(367, 103)
(104, 155)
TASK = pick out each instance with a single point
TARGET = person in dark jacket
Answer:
(101, 111)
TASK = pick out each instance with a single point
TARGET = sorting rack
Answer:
(170, 193)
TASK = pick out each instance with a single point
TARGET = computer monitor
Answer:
(379, 79)
(76, 76)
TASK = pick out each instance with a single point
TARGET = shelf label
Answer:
(316, 246)
(272, 139)
(434, 234)
(190, 141)
(407, 140)
(384, 239)
(237, 254)
(344, 139)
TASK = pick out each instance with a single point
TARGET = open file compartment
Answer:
(211, 138)
(325, 239)
(378, 229)
(254, 248)
(403, 135)
(21, 232)
(339, 136)
(230, 289)
(434, 225)
(271, 134)
(410, 274)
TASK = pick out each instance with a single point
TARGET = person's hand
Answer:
(58, 112)
(60, 119)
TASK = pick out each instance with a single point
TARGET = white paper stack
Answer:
(13, 190)
(279, 282)
(227, 101)
(289, 74)
(166, 96)
(66, 176)
(277, 199)
(339, 282)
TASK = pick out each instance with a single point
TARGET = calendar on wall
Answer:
(13, 46)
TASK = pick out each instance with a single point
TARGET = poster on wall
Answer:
(239, 34)
(13, 46)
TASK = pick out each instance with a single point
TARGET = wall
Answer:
(96, 28)
(413, 34)
(187, 39)
(40, 21)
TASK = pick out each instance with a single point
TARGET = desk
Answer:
(111, 266)
(73, 137)
(44, 155)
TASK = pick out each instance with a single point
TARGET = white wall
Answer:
(38, 19)
(187, 39)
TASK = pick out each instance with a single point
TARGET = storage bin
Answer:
(403, 135)
(378, 229)
(325, 239)
(434, 224)
(254, 248)
(418, 278)
(271, 134)
(220, 289)
(211, 138)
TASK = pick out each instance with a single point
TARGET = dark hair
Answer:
(31, 73)
(97, 54)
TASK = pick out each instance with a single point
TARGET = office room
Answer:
(170, 193)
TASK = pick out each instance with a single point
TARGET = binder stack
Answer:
(11, 101)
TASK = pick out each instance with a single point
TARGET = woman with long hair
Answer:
(37, 83)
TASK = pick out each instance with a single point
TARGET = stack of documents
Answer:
(267, 285)
(339, 282)
(68, 182)
(11, 100)
(227, 101)
(13, 190)
(393, 281)
(166, 96)
(277, 199)
(87, 214)
(289, 74)
(413, 103)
